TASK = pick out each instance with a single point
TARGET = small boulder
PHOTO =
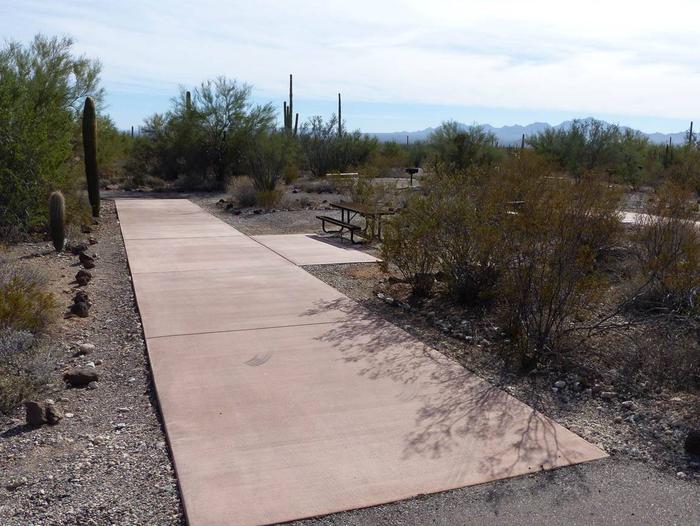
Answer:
(83, 277)
(608, 395)
(53, 413)
(86, 229)
(81, 296)
(80, 377)
(692, 442)
(92, 240)
(77, 248)
(36, 413)
(86, 261)
(85, 349)
(80, 309)
(561, 384)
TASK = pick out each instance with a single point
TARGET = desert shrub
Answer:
(409, 244)
(551, 248)
(593, 146)
(268, 198)
(324, 151)
(290, 172)
(512, 236)
(667, 250)
(25, 304)
(203, 143)
(243, 191)
(459, 149)
(24, 367)
(42, 86)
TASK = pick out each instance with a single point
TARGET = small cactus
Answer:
(57, 220)
(90, 149)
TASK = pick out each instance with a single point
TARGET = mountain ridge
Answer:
(512, 134)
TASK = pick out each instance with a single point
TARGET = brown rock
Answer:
(77, 248)
(83, 277)
(80, 309)
(80, 377)
(36, 413)
(85, 229)
(81, 296)
(53, 413)
(86, 261)
(92, 240)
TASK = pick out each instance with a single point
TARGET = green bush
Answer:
(42, 86)
(200, 145)
(456, 149)
(325, 152)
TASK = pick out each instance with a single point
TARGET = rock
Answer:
(80, 309)
(80, 377)
(16, 483)
(628, 404)
(560, 384)
(92, 240)
(608, 395)
(83, 277)
(92, 385)
(86, 261)
(90, 365)
(681, 475)
(36, 413)
(69, 415)
(120, 425)
(257, 211)
(692, 442)
(84, 349)
(81, 296)
(53, 413)
(617, 419)
(86, 229)
(77, 248)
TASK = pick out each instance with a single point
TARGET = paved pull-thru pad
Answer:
(284, 399)
(312, 249)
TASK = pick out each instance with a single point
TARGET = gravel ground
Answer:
(107, 461)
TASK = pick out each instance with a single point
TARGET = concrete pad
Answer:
(312, 249)
(247, 296)
(284, 399)
(278, 424)
(200, 253)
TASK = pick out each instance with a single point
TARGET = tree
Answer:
(42, 87)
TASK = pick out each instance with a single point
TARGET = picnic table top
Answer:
(364, 209)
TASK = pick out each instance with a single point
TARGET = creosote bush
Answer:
(512, 237)
(667, 250)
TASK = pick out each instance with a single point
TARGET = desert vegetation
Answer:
(527, 239)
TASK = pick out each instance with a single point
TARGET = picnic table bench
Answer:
(349, 211)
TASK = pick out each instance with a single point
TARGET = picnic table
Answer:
(371, 214)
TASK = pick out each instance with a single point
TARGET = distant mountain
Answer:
(509, 135)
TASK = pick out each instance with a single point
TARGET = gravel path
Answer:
(106, 463)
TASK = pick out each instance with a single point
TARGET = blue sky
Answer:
(400, 65)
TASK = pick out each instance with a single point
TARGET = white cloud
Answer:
(621, 57)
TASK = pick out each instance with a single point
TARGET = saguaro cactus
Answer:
(188, 101)
(288, 112)
(90, 149)
(340, 117)
(57, 220)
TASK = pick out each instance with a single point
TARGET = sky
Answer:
(400, 65)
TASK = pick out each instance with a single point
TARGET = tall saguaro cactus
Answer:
(188, 101)
(90, 149)
(57, 220)
(340, 117)
(288, 112)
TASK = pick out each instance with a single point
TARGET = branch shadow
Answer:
(455, 409)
